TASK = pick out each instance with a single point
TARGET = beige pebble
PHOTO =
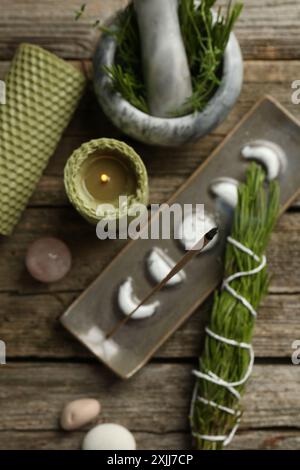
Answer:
(109, 436)
(78, 413)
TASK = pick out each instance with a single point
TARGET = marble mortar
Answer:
(163, 131)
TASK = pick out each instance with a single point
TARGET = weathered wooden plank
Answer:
(168, 168)
(262, 29)
(52, 24)
(91, 255)
(245, 440)
(42, 440)
(266, 440)
(45, 440)
(40, 335)
(34, 393)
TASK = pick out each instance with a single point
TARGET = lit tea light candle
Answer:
(104, 178)
(102, 171)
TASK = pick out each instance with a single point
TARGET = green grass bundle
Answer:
(216, 411)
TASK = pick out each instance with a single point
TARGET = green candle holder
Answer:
(42, 92)
(87, 206)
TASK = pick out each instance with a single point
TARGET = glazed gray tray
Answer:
(95, 312)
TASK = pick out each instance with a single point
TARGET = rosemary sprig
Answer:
(126, 74)
(79, 12)
(205, 39)
(254, 219)
(128, 86)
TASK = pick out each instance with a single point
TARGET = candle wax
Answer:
(48, 259)
(105, 178)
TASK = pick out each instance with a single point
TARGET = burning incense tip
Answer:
(212, 233)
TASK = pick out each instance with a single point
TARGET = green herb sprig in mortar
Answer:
(205, 38)
(254, 219)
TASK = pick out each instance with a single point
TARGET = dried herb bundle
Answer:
(254, 219)
(205, 38)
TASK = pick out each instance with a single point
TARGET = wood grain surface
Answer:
(45, 366)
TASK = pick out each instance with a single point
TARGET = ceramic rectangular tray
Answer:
(95, 312)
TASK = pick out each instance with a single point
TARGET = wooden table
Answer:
(45, 366)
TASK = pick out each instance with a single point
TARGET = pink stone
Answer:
(48, 259)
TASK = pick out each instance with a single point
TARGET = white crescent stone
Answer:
(268, 154)
(193, 228)
(225, 189)
(159, 265)
(128, 302)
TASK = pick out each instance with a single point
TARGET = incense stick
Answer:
(198, 247)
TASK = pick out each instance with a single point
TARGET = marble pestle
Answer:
(166, 70)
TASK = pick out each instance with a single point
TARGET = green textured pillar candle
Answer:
(42, 92)
(99, 172)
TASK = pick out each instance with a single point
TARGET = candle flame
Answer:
(104, 178)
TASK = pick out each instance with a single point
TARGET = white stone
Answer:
(109, 436)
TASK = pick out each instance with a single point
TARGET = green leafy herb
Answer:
(128, 86)
(205, 39)
(126, 73)
(80, 11)
(96, 24)
(254, 219)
